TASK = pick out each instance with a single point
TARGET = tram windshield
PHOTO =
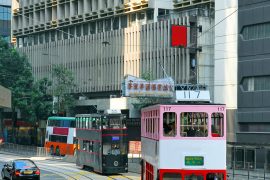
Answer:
(113, 122)
(114, 148)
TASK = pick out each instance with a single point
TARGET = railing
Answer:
(24, 150)
(238, 170)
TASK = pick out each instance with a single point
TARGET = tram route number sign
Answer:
(194, 160)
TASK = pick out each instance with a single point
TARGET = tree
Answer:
(42, 100)
(63, 84)
(16, 74)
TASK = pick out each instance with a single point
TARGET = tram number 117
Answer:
(167, 108)
(221, 108)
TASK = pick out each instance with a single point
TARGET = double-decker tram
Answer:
(102, 142)
(184, 141)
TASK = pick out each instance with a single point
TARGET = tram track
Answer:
(75, 175)
(119, 176)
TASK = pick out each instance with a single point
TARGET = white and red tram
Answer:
(186, 142)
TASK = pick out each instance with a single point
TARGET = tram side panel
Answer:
(89, 149)
(175, 154)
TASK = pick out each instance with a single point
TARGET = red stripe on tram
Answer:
(114, 134)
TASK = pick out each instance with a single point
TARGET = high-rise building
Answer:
(242, 78)
(101, 41)
(5, 18)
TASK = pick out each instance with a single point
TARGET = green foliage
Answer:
(41, 99)
(16, 74)
(63, 84)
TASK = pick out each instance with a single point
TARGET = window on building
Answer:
(107, 24)
(47, 37)
(72, 32)
(194, 124)
(256, 83)
(59, 34)
(78, 31)
(52, 36)
(256, 31)
(85, 29)
(116, 23)
(124, 21)
(41, 38)
(141, 16)
(93, 27)
(133, 17)
(150, 15)
(100, 26)
(169, 124)
(65, 33)
(162, 12)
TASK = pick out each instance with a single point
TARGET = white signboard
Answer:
(189, 95)
(136, 87)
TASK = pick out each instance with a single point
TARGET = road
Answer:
(58, 170)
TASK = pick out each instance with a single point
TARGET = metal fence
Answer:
(238, 170)
(24, 150)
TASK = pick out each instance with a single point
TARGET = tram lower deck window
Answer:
(171, 176)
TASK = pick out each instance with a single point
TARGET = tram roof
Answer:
(88, 115)
(189, 103)
(59, 118)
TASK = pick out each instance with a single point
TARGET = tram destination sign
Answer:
(194, 160)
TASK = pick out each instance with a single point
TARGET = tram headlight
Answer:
(115, 163)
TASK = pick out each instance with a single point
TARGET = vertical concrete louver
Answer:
(98, 67)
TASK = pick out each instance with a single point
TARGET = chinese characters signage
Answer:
(136, 87)
(194, 160)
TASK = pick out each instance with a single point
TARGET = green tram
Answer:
(102, 142)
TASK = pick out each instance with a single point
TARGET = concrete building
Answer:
(101, 41)
(5, 19)
(242, 78)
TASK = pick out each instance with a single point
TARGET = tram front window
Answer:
(114, 149)
(113, 122)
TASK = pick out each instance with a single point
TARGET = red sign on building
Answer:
(178, 36)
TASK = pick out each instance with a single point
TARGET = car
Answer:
(20, 169)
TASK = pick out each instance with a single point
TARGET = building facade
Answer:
(254, 77)
(101, 41)
(5, 19)
(242, 78)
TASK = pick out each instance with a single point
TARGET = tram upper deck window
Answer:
(169, 124)
(217, 127)
(194, 124)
